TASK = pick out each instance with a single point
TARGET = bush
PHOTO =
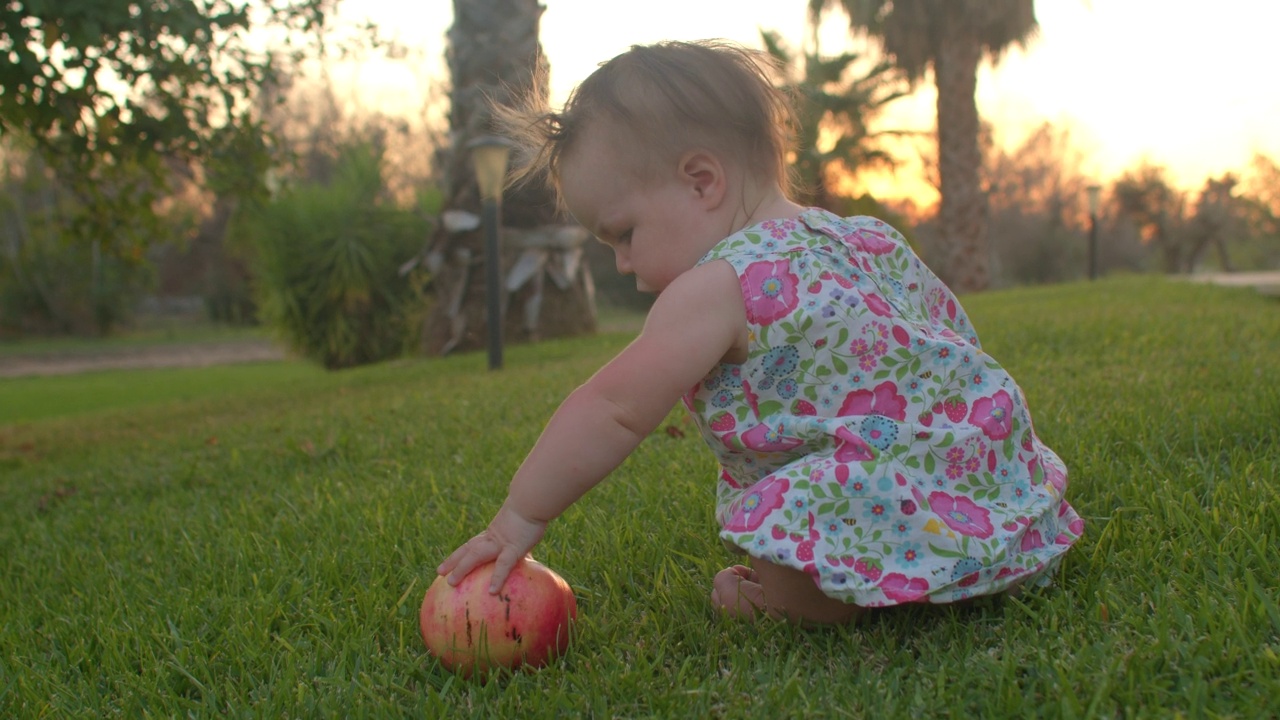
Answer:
(50, 282)
(328, 266)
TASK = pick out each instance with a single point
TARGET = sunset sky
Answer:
(1186, 84)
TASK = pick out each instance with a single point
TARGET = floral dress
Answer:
(868, 440)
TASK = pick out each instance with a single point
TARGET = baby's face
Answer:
(656, 224)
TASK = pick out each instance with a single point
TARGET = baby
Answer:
(871, 454)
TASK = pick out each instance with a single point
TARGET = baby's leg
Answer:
(782, 592)
(792, 595)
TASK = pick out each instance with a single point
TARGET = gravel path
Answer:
(158, 356)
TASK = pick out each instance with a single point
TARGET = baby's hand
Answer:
(508, 538)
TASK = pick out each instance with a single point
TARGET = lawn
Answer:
(258, 544)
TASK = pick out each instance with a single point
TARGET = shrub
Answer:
(328, 260)
(52, 283)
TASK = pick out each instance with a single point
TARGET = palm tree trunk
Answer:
(962, 216)
(494, 52)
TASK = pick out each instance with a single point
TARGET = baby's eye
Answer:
(624, 238)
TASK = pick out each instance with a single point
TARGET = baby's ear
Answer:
(702, 172)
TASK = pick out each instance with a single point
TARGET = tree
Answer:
(835, 110)
(47, 284)
(1038, 214)
(1214, 221)
(112, 92)
(1259, 207)
(950, 38)
(494, 56)
(1145, 196)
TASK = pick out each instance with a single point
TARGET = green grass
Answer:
(262, 550)
(35, 398)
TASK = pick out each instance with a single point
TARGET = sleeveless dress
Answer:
(868, 440)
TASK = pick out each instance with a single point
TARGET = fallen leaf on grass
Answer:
(46, 502)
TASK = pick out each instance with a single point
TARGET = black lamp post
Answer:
(1094, 193)
(489, 155)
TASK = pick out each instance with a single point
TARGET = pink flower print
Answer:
(1033, 470)
(1055, 477)
(842, 474)
(884, 400)
(851, 448)
(877, 304)
(900, 588)
(687, 398)
(994, 415)
(869, 241)
(840, 279)
(731, 441)
(776, 230)
(763, 438)
(961, 514)
(753, 400)
(769, 289)
(1032, 540)
(749, 511)
(900, 334)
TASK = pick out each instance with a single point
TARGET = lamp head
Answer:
(489, 154)
(1094, 193)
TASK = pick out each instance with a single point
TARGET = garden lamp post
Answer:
(1094, 193)
(489, 160)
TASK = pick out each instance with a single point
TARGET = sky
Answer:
(1185, 84)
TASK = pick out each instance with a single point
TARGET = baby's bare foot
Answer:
(736, 591)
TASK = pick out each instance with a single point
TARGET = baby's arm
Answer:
(691, 327)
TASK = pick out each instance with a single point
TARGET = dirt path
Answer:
(158, 356)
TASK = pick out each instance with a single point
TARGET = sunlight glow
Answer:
(1176, 82)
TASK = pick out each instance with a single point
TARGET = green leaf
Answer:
(839, 365)
(943, 552)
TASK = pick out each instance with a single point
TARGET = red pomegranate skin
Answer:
(525, 625)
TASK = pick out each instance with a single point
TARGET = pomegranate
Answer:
(525, 624)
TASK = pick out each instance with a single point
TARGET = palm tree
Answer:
(494, 52)
(834, 109)
(949, 37)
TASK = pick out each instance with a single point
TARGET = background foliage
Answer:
(328, 258)
(49, 282)
(113, 92)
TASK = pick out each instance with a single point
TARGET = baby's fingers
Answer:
(476, 552)
(502, 567)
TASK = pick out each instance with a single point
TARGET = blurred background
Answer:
(303, 171)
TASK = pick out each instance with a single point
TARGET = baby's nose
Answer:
(623, 262)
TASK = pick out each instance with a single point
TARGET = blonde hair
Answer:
(663, 99)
